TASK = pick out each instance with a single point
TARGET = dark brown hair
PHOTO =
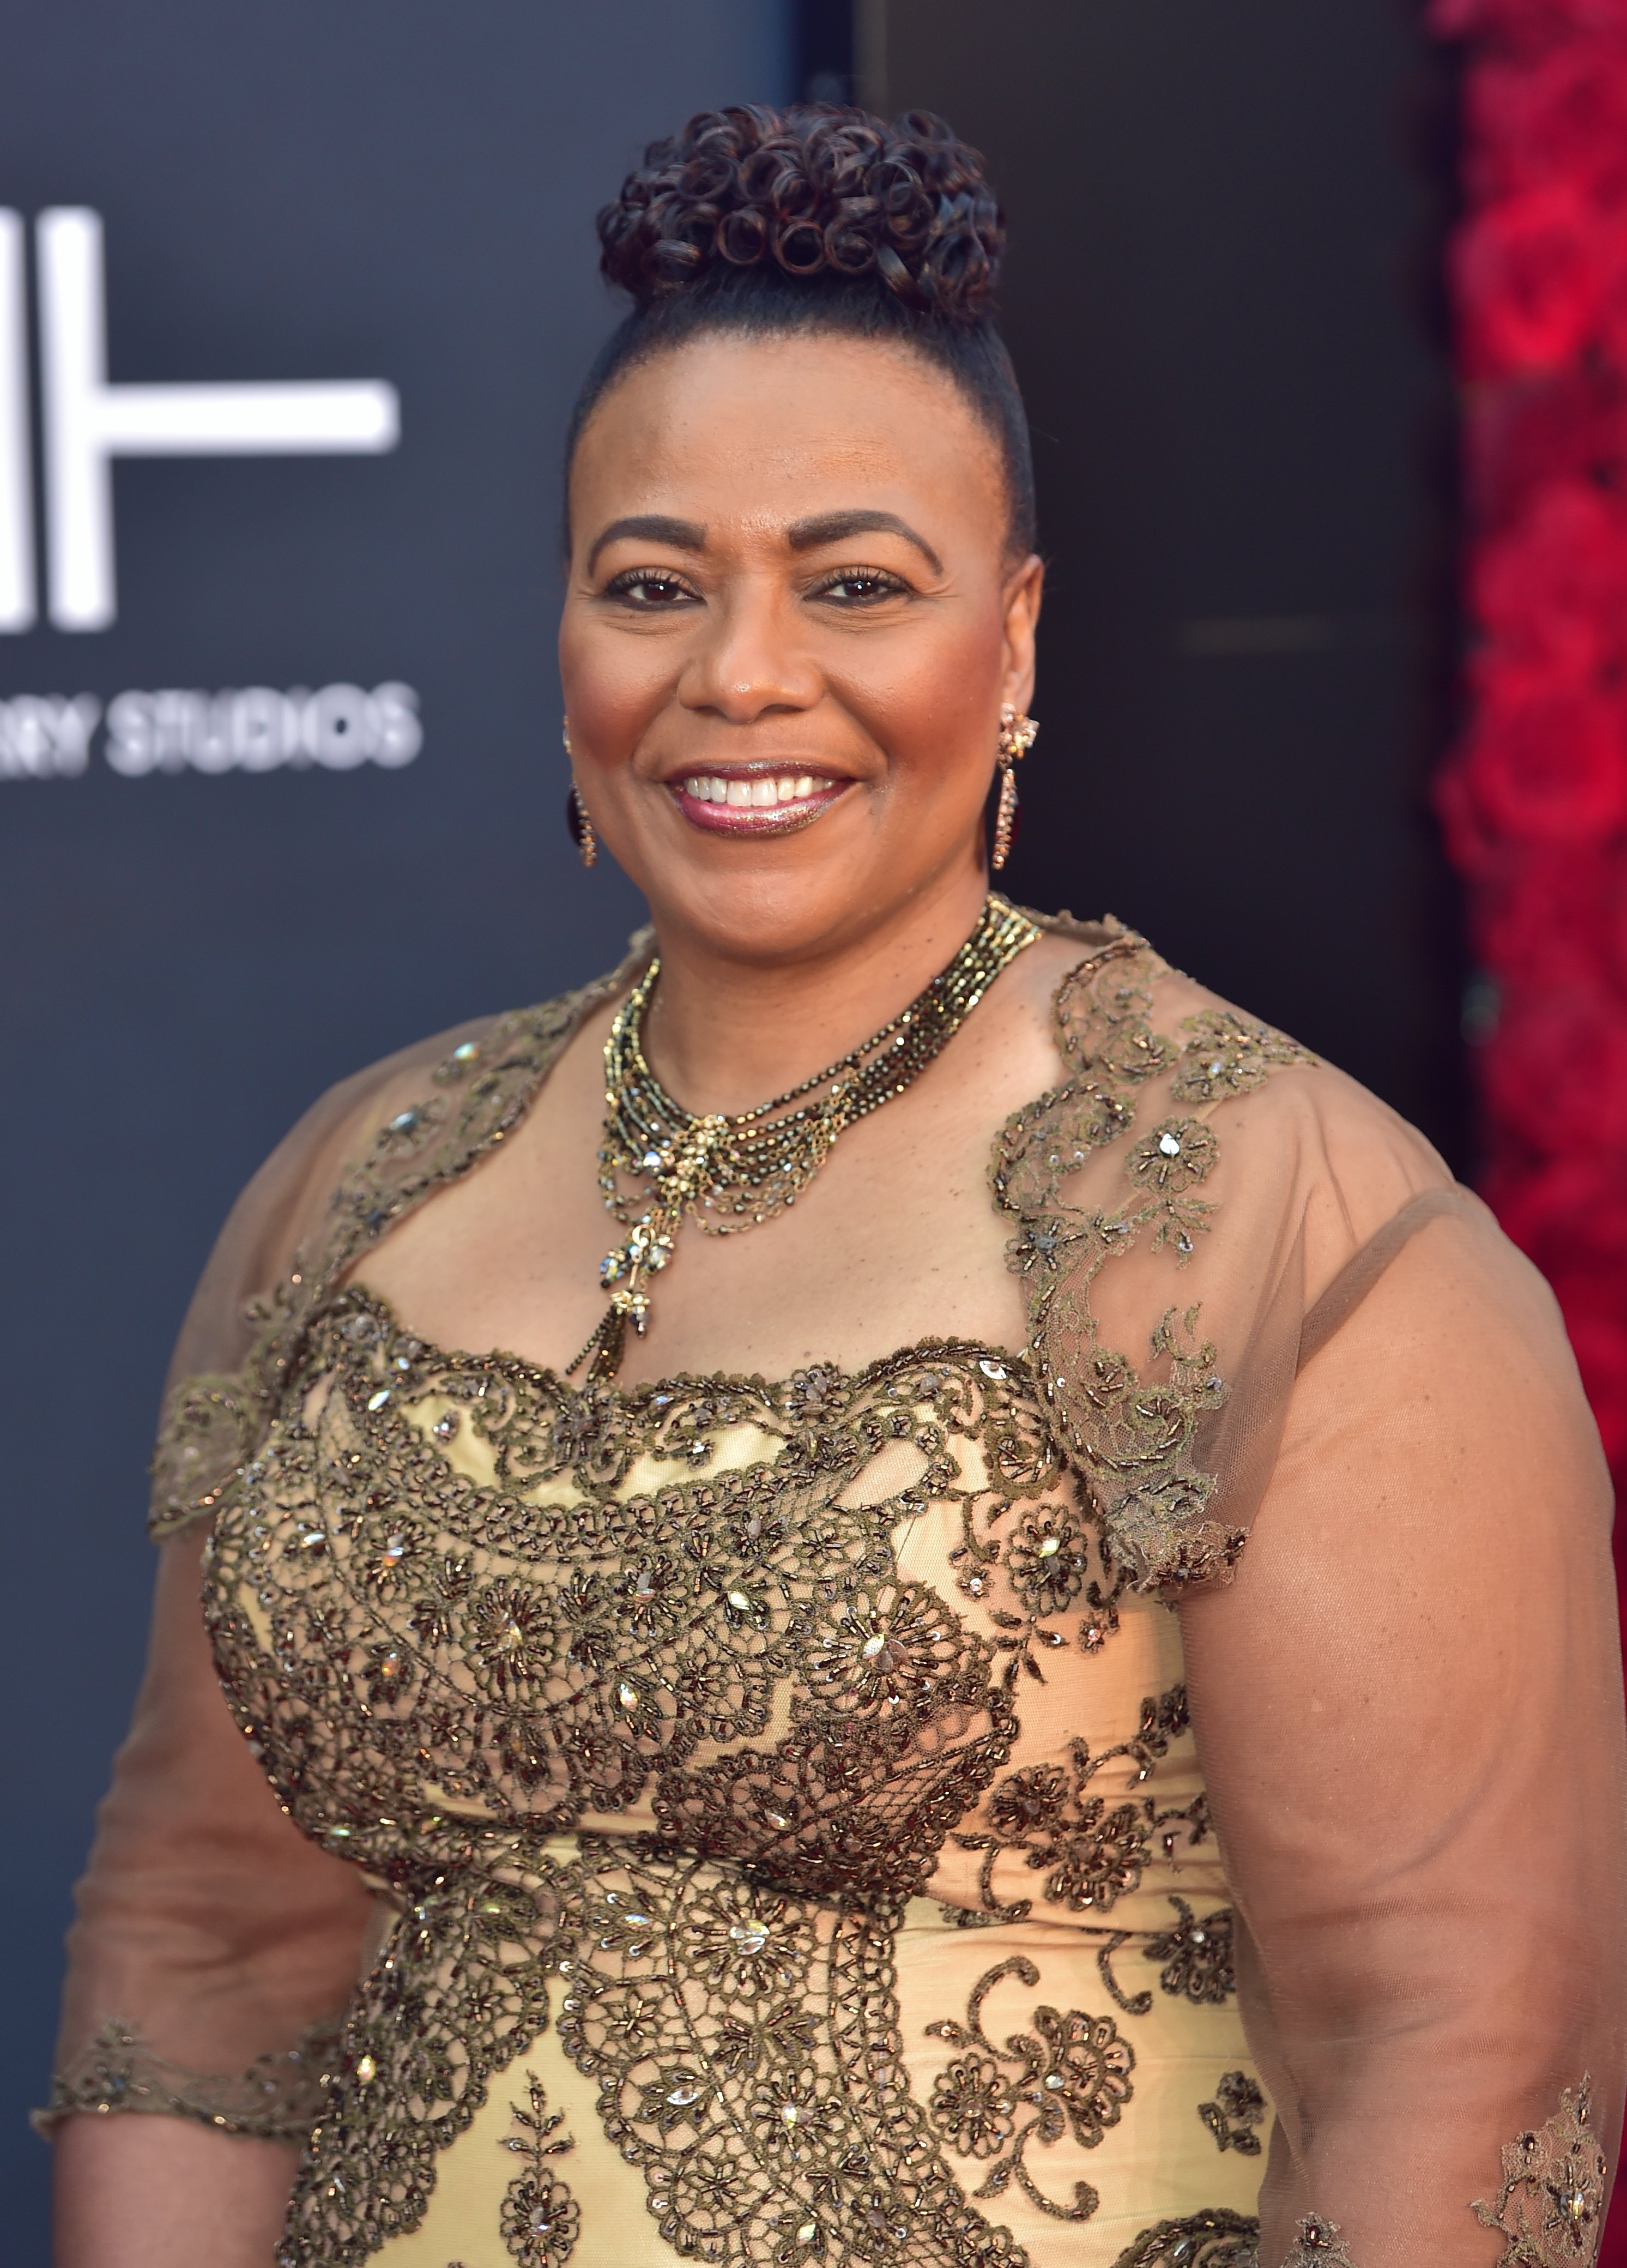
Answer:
(818, 218)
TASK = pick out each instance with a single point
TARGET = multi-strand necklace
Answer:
(730, 1174)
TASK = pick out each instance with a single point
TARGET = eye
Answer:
(860, 586)
(649, 588)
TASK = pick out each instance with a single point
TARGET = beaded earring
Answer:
(1017, 736)
(577, 820)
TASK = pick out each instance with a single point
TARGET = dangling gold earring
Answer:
(576, 819)
(1016, 735)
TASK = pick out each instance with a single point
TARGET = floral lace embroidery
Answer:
(1215, 2239)
(746, 2048)
(1070, 2075)
(1197, 1955)
(1133, 1437)
(458, 1990)
(1317, 2244)
(1090, 1856)
(540, 2216)
(212, 1424)
(1226, 1054)
(1055, 1559)
(1239, 2106)
(276, 2099)
(1551, 2204)
(1130, 1429)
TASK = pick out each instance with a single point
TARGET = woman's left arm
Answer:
(1408, 1709)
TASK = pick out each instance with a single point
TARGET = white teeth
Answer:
(765, 792)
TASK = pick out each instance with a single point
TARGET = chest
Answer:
(896, 1236)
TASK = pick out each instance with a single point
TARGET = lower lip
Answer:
(754, 819)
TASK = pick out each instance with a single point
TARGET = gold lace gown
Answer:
(772, 1808)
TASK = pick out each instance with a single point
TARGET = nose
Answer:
(749, 662)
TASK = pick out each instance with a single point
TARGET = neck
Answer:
(725, 1034)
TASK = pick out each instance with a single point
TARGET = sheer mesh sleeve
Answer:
(1408, 1712)
(213, 1942)
(219, 1392)
(1263, 1316)
(1183, 1197)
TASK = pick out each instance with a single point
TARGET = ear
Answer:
(1024, 590)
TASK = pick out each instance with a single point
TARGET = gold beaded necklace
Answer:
(729, 1173)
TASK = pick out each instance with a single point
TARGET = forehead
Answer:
(724, 429)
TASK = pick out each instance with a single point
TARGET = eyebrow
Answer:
(802, 535)
(836, 526)
(651, 527)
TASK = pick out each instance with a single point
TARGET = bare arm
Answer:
(153, 2193)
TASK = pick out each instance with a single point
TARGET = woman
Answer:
(737, 1790)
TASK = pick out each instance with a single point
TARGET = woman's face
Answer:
(790, 622)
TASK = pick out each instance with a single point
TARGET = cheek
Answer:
(929, 699)
(614, 687)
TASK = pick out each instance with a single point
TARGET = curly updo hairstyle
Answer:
(818, 217)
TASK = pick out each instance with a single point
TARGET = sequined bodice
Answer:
(460, 1599)
(781, 1624)
(711, 1673)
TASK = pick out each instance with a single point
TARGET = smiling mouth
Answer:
(737, 803)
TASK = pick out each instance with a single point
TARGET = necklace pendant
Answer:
(647, 1250)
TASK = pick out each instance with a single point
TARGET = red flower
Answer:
(1526, 433)
(1556, 1074)
(1566, 1207)
(1531, 274)
(1551, 590)
(1561, 116)
(1546, 763)
(1554, 916)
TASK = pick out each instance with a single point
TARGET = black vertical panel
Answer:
(386, 188)
(1217, 297)
(824, 46)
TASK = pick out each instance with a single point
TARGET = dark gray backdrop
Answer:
(399, 190)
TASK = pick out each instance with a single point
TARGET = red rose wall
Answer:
(1534, 798)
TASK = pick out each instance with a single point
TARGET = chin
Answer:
(759, 904)
(797, 898)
